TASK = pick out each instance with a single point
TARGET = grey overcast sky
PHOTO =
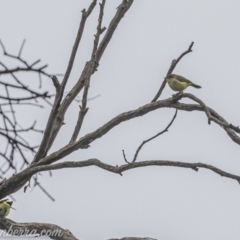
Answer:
(160, 202)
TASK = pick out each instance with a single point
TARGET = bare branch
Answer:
(21, 48)
(123, 8)
(85, 15)
(23, 98)
(124, 156)
(17, 181)
(84, 108)
(11, 131)
(129, 166)
(11, 139)
(54, 123)
(24, 69)
(167, 103)
(170, 70)
(57, 114)
(25, 88)
(13, 85)
(21, 129)
(102, 47)
(160, 133)
(13, 56)
(34, 63)
(28, 68)
(36, 183)
(236, 129)
(23, 103)
(210, 117)
(55, 82)
(3, 47)
(78, 126)
(41, 229)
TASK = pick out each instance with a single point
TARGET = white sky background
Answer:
(160, 202)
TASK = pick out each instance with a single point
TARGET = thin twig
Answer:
(43, 189)
(167, 103)
(170, 70)
(209, 115)
(78, 126)
(21, 48)
(160, 133)
(124, 156)
(54, 118)
(84, 108)
(55, 82)
(34, 63)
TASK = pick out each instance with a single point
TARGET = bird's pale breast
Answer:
(177, 85)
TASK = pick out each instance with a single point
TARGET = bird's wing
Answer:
(183, 79)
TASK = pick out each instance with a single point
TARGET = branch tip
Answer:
(170, 70)
(55, 82)
(124, 156)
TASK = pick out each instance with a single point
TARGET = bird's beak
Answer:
(14, 208)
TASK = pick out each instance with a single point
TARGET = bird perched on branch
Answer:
(179, 83)
(5, 206)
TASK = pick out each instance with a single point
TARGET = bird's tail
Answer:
(195, 85)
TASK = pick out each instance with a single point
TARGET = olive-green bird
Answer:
(5, 206)
(179, 83)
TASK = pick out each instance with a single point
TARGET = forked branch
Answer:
(55, 120)
(155, 136)
(92, 63)
(170, 70)
(167, 103)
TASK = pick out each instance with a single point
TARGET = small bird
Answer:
(179, 83)
(5, 206)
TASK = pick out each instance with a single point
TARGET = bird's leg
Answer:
(177, 97)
